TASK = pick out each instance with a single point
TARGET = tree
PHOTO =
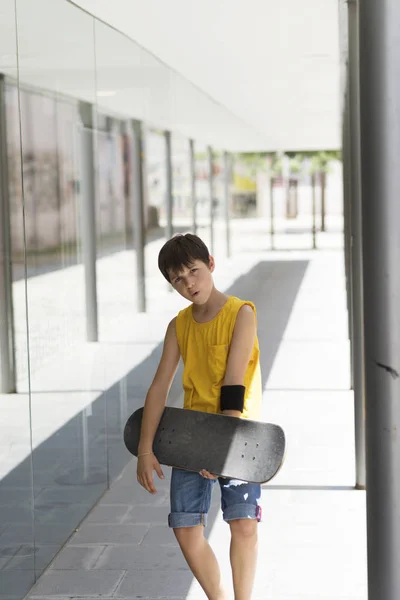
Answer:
(320, 165)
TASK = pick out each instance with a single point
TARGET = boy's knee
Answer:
(189, 535)
(244, 528)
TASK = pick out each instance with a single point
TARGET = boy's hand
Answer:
(145, 467)
(207, 474)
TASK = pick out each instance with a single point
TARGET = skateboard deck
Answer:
(225, 446)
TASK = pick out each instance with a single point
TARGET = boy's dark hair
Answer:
(181, 250)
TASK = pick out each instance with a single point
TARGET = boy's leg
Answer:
(190, 501)
(243, 555)
(201, 560)
(241, 509)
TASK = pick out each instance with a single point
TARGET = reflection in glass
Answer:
(156, 183)
(61, 438)
(17, 558)
(202, 193)
(68, 417)
(182, 199)
(219, 205)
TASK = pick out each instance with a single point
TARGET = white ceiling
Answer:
(239, 75)
(274, 64)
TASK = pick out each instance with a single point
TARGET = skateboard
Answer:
(226, 446)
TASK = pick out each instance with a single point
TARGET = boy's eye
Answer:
(177, 280)
(194, 270)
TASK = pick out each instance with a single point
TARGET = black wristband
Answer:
(232, 397)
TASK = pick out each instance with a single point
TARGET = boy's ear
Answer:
(211, 264)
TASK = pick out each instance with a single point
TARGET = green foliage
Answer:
(318, 162)
(295, 165)
(254, 162)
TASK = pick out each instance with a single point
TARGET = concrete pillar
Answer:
(379, 54)
(356, 245)
(7, 342)
(88, 219)
(192, 167)
(137, 202)
(227, 200)
(169, 199)
(211, 194)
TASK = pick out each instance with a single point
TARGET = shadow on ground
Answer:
(74, 467)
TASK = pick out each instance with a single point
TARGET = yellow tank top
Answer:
(204, 349)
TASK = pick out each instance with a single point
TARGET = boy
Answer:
(217, 340)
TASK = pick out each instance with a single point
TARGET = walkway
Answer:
(312, 538)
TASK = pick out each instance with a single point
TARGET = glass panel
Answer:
(57, 73)
(219, 207)
(181, 186)
(156, 157)
(202, 193)
(118, 64)
(16, 498)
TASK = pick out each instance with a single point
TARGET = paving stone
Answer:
(159, 535)
(63, 496)
(135, 494)
(130, 558)
(109, 513)
(17, 534)
(78, 557)
(102, 534)
(8, 552)
(23, 560)
(147, 514)
(15, 514)
(3, 562)
(77, 583)
(155, 584)
(16, 583)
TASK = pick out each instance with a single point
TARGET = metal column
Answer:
(347, 225)
(322, 176)
(227, 182)
(211, 188)
(379, 54)
(192, 168)
(344, 88)
(356, 245)
(169, 200)
(314, 212)
(7, 345)
(272, 212)
(88, 219)
(137, 203)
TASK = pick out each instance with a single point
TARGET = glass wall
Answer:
(17, 558)
(181, 185)
(69, 264)
(202, 171)
(156, 179)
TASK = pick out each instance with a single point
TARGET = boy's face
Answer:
(194, 283)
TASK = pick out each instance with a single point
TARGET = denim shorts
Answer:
(190, 496)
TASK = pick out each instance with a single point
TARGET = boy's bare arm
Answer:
(240, 350)
(239, 355)
(154, 405)
(157, 395)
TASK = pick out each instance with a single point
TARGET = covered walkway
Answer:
(313, 534)
(121, 122)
